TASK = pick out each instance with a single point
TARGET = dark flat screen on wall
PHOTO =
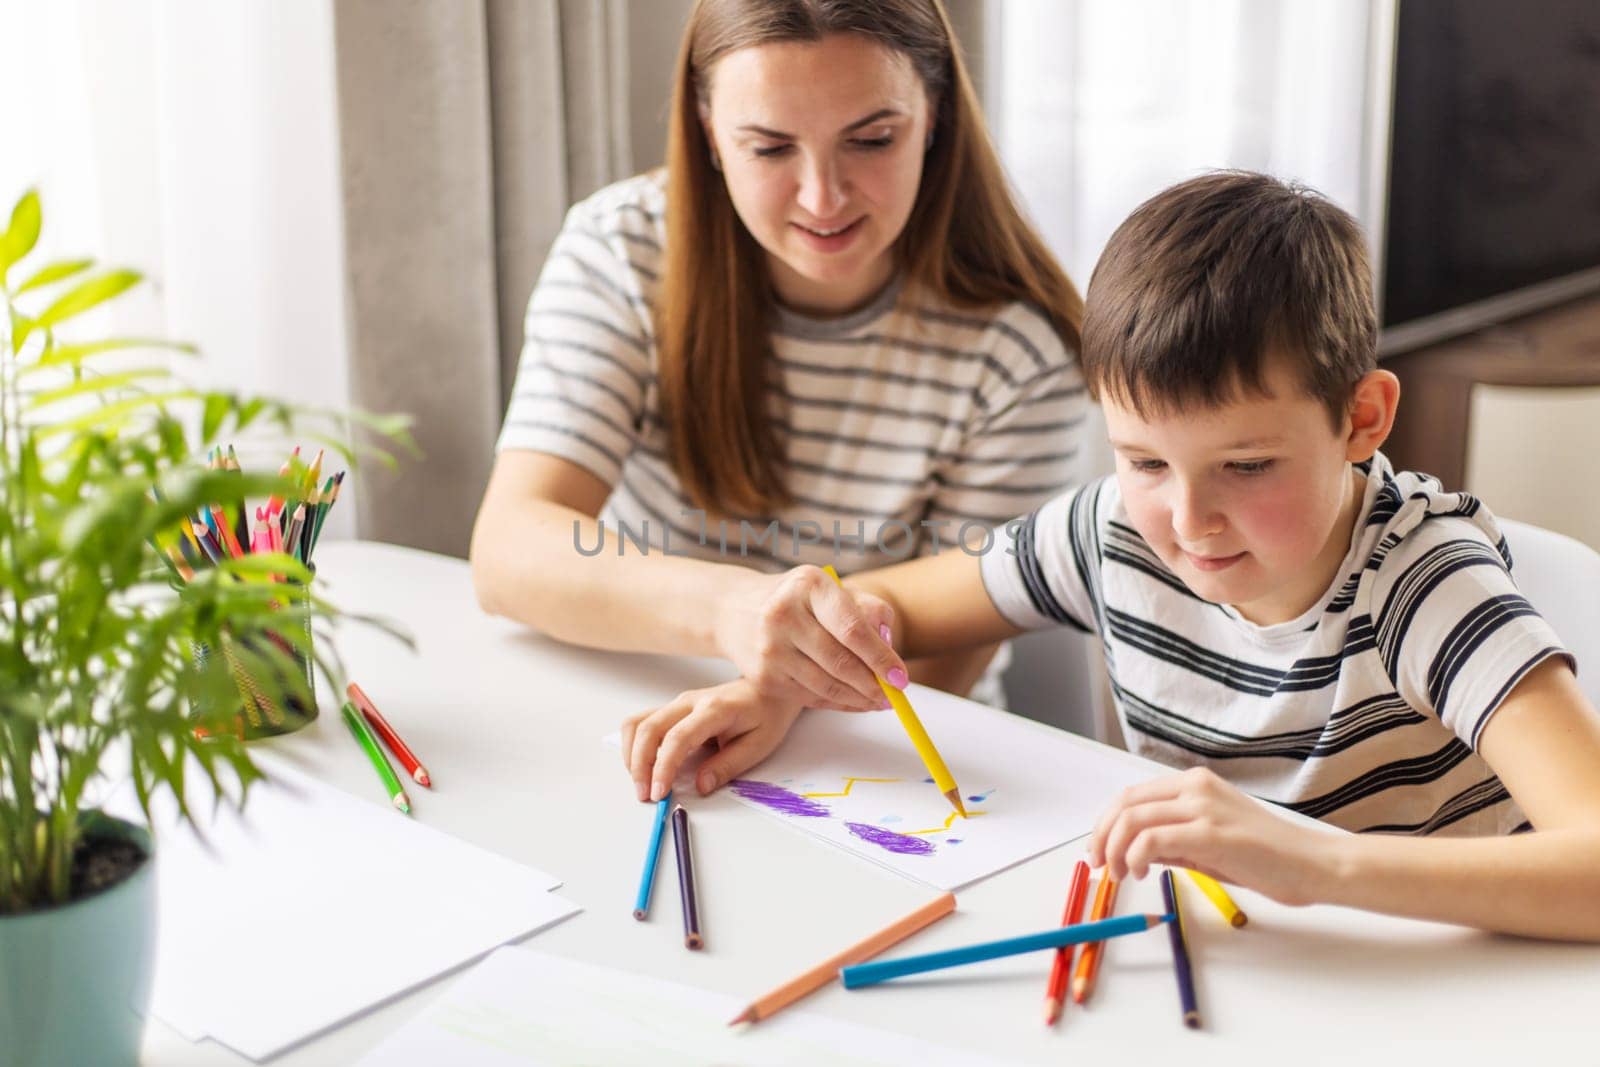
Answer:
(1494, 168)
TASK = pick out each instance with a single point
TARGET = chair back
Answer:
(1561, 579)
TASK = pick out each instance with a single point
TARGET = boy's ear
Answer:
(1373, 403)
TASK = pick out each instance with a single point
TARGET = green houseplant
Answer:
(101, 452)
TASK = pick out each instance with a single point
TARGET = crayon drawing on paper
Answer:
(855, 780)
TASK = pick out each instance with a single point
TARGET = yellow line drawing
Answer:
(848, 783)
(941, 829)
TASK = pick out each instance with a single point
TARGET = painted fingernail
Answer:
(883, 704)
(898, 678)
(887, 634)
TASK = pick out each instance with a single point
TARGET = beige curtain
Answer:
(467, 129)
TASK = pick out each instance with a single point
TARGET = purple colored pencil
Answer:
(1180, 952)
(691, 912)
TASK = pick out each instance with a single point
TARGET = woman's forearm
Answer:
(1542, 884)
(526, 565)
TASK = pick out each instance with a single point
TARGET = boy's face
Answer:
(1250, 503)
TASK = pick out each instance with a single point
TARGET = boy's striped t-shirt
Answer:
(900, 423)
(1365, 711)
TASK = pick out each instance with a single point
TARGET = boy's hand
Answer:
(745, 723)
(1195, 819)
(802, 635)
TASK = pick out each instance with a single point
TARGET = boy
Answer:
(1282, 614)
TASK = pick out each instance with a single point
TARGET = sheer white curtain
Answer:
(342, 202)
(1101, 103)
(197, 142)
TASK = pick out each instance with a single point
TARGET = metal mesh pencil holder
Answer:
(257, 714)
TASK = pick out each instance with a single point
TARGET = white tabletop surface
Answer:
(509, 724)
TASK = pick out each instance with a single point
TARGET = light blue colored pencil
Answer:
(647, 880)
(864, 974)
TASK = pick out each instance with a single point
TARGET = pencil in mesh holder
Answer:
(258, 715)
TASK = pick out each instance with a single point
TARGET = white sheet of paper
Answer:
(315, 905)
(521, 1007)
(855, 780)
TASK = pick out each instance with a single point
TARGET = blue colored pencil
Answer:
(647, 880)
(1180, 952)
(865, 974)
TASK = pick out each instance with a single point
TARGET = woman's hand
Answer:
(745, 724)
(1195, 819)
(803, 636)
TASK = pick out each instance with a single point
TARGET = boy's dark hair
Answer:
(1197, 285)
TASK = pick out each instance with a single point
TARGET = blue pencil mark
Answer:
(928, 780)
(889, 819)
(979, 798)
(952, 840)
(778, 798)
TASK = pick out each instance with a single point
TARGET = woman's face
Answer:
(821, 145)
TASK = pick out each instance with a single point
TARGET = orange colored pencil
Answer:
(402, 751)
(1105, 901)
(185, 571)
(828, 969)
(225, 537)
(1056, 992)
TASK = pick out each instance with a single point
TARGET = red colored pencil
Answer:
(407, 758)
(1056, 992)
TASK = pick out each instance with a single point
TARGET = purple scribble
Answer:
(778, 798)
(901, 844)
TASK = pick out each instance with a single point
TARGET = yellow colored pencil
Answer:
(943, 780)
(1219, 896)
(309, 485)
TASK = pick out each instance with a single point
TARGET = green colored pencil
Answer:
(380, 762)
(324, 503)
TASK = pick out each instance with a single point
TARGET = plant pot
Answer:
(75, 980)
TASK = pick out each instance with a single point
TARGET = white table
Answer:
(509, 723)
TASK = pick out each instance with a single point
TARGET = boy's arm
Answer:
(945, 605)
(1543, 742)
(945, 624)
(940, 604)
(956, 672)
(1544, 745)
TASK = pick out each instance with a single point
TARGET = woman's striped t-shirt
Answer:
(901, 422)
(1365, 711)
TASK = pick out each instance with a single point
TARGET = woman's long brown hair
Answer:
(966, 243)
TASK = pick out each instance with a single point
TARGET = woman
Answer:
(824, 334)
